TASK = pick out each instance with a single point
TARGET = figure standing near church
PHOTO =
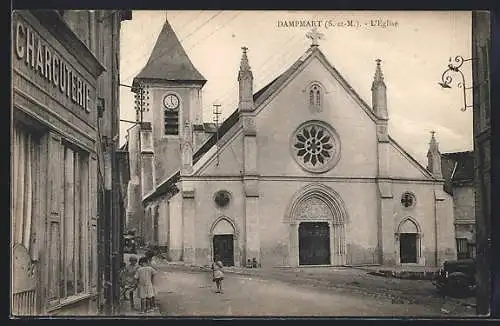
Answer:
(145, 277)
(218, 275)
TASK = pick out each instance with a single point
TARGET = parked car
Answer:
(129, 244)
(456, 277)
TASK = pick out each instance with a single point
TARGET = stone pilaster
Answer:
(294, 244)
(386, 232)
(175, 234)
(252, 225)
(187, 150)
(444, 223)
(188, 225)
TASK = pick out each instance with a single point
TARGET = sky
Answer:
(414, 48)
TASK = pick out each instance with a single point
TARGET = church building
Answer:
(303, 172)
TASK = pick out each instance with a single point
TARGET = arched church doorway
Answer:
(317, 218)
(314, 243)
(408, 242)
(223, 242)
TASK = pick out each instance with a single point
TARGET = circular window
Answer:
(408, 200)
(222, 198)
(315, 146)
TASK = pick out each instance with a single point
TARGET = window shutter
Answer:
(54, 206)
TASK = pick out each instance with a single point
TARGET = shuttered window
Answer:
(171, 123)
(75, 223)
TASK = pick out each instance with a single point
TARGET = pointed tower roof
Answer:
(169, 61)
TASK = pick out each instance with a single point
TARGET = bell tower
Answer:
(175, 87)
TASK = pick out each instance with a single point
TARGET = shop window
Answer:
(25, 158)
(75, 219)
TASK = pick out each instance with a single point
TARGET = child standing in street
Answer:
(145, 277)
(218, 275)
(130, 281)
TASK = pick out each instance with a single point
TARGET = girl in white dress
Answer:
(145, 289)
(218, 275)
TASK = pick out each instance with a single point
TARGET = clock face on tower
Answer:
(171, 102)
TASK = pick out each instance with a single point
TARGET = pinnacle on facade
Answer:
(245, 81)
(378, 79)
(433, 144)
(434, 157)
(244, 65)
(379, 96)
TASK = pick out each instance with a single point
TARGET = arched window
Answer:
(311, 97)
(315, 96)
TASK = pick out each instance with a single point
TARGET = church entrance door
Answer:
(314, 243)
(408, 248)
(223, 248)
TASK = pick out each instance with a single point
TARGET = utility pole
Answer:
(141, 101)
(217, 113)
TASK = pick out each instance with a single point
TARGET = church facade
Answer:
(303, 172)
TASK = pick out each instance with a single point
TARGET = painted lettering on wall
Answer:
(41, 58)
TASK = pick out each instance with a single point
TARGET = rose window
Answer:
(222, 198)
(316, 146)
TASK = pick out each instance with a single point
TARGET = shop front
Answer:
(54, 168)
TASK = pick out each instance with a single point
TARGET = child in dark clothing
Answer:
(130, 281)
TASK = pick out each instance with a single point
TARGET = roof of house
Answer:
(457, 167)
(169, 61)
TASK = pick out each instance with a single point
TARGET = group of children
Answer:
(140, 279)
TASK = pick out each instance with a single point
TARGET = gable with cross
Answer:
(314, 35)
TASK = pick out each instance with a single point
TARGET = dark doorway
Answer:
(408, 248)
(314, 243)
(223, 249)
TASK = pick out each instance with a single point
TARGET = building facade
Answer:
(458, 172)
(481, 49)
(63, 70)
(303, 172)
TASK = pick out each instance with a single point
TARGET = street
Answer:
(190, 292)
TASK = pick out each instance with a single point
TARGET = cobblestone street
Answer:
(189, 291)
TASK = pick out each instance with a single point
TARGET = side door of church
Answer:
(408, 248)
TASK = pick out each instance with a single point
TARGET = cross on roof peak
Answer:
(314, 35)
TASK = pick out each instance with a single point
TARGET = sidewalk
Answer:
(404, 272)
(126, 310)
